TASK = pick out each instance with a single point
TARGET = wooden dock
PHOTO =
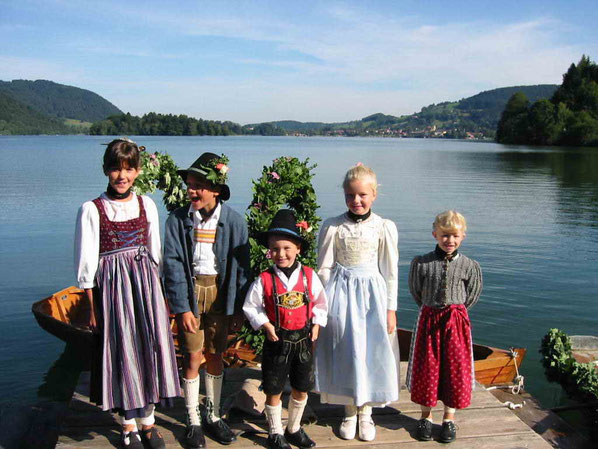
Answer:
(485, 424)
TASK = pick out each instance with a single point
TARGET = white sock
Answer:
(274, 416)
(350, 411)
(150, 419)
(295, 413)
(129, 422)
(213, 392)
(191, 392)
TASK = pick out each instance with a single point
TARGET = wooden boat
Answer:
(65, 313)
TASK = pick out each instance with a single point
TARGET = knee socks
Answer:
(191, 392)
(295, 413)
(274, 417)
(213, 393)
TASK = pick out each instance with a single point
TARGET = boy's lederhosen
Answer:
(292, 355)
(213, 320)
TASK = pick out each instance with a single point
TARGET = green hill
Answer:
(16, 118)
(479, 114)
(58, 100)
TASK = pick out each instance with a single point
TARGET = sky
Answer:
(256, 61)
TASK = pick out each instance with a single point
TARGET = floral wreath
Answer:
(217, 170)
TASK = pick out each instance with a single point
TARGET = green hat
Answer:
(212, 167)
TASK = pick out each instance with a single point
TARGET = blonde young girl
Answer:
(357, 361)
(117, 251)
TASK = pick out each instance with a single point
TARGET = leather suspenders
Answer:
(306, 297)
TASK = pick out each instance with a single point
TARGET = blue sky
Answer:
(253, 61)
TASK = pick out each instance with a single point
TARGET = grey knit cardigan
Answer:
(436, 282)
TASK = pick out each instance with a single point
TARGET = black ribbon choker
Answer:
(359, 218)
(113, 194)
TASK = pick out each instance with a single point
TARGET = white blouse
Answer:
(372, 242)
(87, 233)
(254, 308)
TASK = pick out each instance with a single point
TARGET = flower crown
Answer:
(217, 170)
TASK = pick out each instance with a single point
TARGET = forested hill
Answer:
(16, 118)
(58, 100)
(479, 113)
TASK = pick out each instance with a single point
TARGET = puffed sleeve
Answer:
(153, 231)
(87, 244)
(319, 301)
(415, 283)
(253, 307)
(388, 261)
(326, 257)
(474, 284)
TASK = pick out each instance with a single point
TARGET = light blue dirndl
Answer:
(357, 361)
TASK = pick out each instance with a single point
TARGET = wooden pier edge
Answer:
(486, 424)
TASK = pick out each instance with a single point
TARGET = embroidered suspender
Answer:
(277, 303)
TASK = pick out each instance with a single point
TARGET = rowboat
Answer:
(64, 315)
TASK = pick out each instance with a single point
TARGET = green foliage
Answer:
(17, 118)
(569, 118)
(158, 171)
(285, 183)
(580, 380)
(58, 100)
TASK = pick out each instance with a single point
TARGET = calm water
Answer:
(533, 226)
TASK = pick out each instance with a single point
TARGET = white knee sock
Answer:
(274, 416)
(213, 392)
(150, 419)
(295, 413)
(191, 391)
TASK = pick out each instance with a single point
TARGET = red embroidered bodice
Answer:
(122, 234)
(292, 315)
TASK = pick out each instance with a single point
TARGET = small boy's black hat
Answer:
(205, 166)
(284, 223)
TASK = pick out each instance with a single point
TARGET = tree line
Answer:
(570, 117)
(154, 124)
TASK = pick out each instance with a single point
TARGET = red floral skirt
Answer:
(441, 362)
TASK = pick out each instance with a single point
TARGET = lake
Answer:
(532, 214)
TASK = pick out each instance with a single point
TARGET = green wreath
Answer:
(285, 183)
(158, 171)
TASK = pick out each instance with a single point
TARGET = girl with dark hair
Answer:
(117, 258)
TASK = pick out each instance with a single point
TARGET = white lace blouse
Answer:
(87, 233)
(372, 242)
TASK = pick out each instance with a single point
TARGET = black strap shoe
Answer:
(130, 440)
(220, 431)
(424, 430)
(278, 441)
(194, 438)
(152, 438)
(448, 433)
(299, 439)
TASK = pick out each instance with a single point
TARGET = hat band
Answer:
(197, 170)
(285, 230)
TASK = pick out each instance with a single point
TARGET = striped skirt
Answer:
(138, 365)
(441, 358)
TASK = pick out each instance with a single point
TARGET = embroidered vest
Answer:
(294, 307)
(122, 234)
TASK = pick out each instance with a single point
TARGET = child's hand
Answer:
(391, 321)
(270, 331)
(187, 322)
(315, 331)
(93, 323)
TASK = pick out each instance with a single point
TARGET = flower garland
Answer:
(158, 171)
(285, 183)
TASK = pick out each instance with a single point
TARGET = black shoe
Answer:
(194, 438)
(278, 441)
(220, 431)
(299, 439)
(448, 432)
(152, 438)
(424, 430)
(130, 440)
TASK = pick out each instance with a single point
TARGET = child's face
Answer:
(359, 196)
(283, 251)
(201, 192)
(122, 178)
(448, 239)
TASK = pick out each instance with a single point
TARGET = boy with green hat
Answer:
(206, 272)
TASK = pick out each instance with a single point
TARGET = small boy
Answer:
(444, 284)
(289, 303)
(206, 269)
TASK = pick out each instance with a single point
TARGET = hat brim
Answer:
(224, 189)
(262, 237)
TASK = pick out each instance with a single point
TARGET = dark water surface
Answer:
(532, 212)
